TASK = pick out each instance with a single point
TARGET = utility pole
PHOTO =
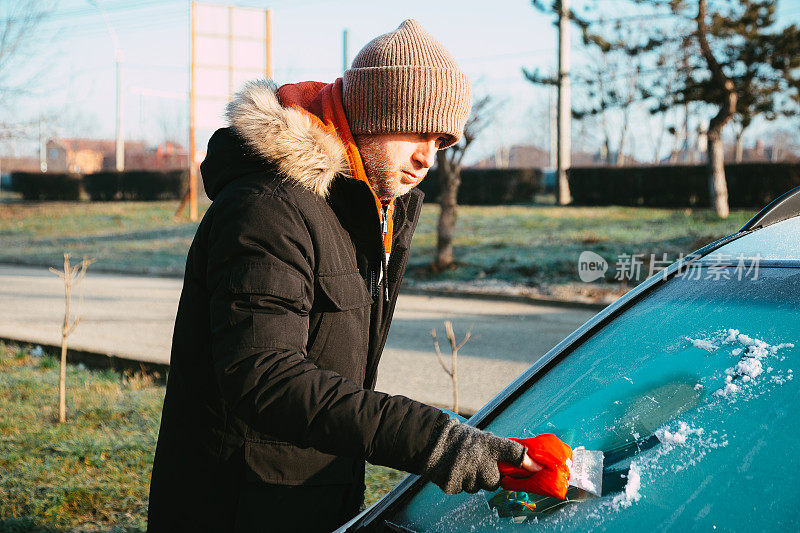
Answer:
(230, 52)
(345, 62)
(42, 146)
(120, 141)
(268, 43)
(564, 107)
(119, 136)
(192, 106)
(553, 125)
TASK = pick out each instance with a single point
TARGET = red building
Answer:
(86, 156)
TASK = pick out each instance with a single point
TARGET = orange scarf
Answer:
(323, 105)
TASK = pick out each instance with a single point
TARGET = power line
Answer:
(508, 54)
(92, 28)
(87, 11)
(150, 66)
(648, 16)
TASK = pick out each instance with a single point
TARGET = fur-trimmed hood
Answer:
(262, 130)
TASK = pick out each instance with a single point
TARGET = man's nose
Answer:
(426, 153)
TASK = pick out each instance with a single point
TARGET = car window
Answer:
(775, 242)
(690, 393)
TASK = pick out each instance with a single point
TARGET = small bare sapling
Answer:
(454, 347)
(72, 277)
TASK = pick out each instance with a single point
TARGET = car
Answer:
(686, 384)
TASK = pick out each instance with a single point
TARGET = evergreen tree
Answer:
(735, 60)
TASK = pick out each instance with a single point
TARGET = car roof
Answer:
(782, 208)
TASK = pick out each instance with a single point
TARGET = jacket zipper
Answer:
(385, 270)
(373, 277)
(372, 366)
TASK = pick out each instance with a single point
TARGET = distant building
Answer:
(519, 156)
(529, 156)
(86, 156)
(9, 164)
(761, 152)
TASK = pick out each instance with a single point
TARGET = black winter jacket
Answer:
(281, 325)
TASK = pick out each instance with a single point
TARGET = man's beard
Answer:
(383, 175)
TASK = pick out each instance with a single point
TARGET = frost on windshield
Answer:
(661, 437)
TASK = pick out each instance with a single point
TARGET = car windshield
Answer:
(690, 394)
(775, 242)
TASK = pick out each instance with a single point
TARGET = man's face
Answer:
(396, 162)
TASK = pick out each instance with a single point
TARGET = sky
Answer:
(71, 69)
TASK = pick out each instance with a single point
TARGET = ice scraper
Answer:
(561, 467)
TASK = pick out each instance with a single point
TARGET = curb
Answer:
(531, 300)
(97, 360)
(404, 289)
(158, 371)
(107, 271)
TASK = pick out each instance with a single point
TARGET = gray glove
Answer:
(465, 458)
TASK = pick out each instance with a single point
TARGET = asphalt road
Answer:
(133, 316)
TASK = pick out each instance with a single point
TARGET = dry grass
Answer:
(93, 472)
(531, 245)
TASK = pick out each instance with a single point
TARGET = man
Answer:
(290, 285)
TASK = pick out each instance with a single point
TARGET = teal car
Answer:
(687, 386)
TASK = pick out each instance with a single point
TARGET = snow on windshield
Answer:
(753, 354)
(683, 445)
(747, 368)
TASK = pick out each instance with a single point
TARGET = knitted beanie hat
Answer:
(405, 81)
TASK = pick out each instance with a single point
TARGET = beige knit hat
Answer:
(405, 81)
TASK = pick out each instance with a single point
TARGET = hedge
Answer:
(136, 185)
(489, 186)
(47, 185)
(750, 185)
(102, 186)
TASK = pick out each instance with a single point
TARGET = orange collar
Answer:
(323, 105)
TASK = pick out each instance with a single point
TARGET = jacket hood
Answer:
(262, 130)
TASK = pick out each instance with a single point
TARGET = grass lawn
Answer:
(531, 245)
(541, 244)
(135, 237)
(91, 473)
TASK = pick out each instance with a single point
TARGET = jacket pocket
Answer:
(267, 279)
(345, 291)
(342, 339)
(267, 305)
(277, 462)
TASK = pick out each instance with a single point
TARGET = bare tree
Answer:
(449, 163)
(19, 20)
(537, 117)
(605, 94)
(680, 135)
(18, 130)
(453, 370)
(172, 123)
(71, 276)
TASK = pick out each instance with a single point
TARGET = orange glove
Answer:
(552, 480)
